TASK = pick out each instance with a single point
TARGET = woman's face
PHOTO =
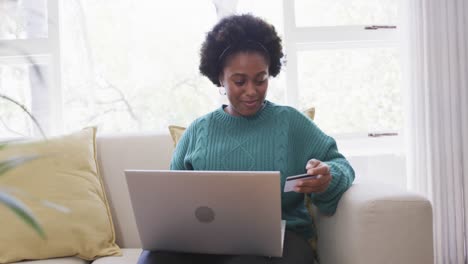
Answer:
(245, 78)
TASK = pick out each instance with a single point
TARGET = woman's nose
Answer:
(250, 89)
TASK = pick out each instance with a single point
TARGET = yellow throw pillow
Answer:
(177, 131)
(66, 173)
(310, 112)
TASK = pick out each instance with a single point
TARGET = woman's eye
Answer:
(239, 83)
(259, 82)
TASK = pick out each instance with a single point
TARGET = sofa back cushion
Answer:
(119, 152)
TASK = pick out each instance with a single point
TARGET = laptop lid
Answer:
(215, 212)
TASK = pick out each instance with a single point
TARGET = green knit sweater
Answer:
(276, 138)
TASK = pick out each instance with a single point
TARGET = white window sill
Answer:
(380, 160)
(370, 146)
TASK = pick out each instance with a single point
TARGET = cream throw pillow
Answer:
(176, 133)
(310, 112)
(66, 173)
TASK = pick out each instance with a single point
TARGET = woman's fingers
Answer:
(317, 185)
(322, 169)
(316, 167)
(312, 164)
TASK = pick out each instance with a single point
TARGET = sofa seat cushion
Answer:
(68, 260)
(129, 256)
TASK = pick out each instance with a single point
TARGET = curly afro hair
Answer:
(239, 33)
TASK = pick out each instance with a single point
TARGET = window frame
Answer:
(297, 39)
(41, 51)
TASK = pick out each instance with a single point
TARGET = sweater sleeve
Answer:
(312, 143)
(342, 178)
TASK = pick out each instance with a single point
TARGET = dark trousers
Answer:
(296, 250)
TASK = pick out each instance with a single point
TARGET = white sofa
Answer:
(373, 223)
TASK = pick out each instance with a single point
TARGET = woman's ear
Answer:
(220, 79)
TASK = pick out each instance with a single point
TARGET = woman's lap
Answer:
(296, 250)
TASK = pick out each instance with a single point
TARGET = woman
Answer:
(239, 55)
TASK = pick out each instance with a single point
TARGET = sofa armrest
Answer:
(377, 224)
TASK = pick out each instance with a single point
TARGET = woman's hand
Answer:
(315, 185)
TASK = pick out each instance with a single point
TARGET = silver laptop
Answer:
(214, 212)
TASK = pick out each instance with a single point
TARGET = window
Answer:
(129, 66)
(354, 90)
(318, 13)
(25, 19)
(28, 50)
(133, 66)
(350, 74)
(341, 62)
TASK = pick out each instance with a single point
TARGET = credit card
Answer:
(292, 180)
